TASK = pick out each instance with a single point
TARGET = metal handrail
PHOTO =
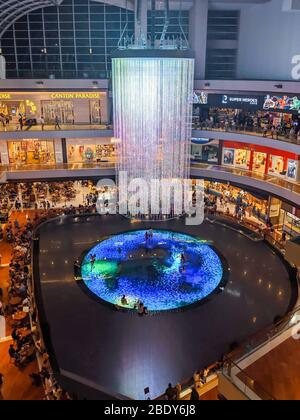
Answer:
(246, 379)
(257, 133)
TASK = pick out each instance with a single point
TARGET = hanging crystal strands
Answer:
(152, 94)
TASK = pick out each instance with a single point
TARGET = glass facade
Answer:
(177, 18)
(222, 44)
(73, 40)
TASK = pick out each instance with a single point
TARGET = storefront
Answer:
(245, 112)
(90, 150)
(289, 219)
(30, 152)
(256, 205)
(69, 107)
(62, 109)
(263, 160)
(205, 150)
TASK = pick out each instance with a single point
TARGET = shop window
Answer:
(292, 169)
(228, 156)
(31, 152)
(63, 109)
(242, 158)
(259, 162)
(88, 153)
(277, 165)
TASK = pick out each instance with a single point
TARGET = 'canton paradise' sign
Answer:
(76, 95)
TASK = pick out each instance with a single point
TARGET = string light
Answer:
(153, 117)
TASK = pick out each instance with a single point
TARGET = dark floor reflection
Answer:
(125, 353)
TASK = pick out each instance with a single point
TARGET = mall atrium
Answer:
(149, 200)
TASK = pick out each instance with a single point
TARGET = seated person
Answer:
(141, 309)
(124, 301)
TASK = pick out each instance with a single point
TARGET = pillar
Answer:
(64, 151)
(141, 7)
(198, 35)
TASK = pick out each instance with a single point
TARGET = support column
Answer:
(64, 150)
(198, 35)
(141, 11)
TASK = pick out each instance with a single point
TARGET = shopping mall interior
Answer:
(149, 200)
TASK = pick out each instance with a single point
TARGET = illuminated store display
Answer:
(167, 271)
(206, 152)
(153, 114)
(86, 152)
(30, 152)
(277, 165)
(293, 166)
(69, 107)
(242, 158)
(263, 160)
(282, 103)
(259, 162)
(62, 109)
(228, 156)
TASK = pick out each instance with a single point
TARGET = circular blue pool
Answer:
(165, 270)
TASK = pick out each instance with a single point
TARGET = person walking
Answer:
(57, 121)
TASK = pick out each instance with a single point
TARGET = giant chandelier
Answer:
(153, 95)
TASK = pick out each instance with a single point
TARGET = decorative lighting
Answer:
(153, 114)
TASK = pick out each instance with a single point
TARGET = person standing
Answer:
(21, 122)
(195, 395)
(1, 386)
(42, 122)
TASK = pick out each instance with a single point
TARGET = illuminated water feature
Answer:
(167, 271)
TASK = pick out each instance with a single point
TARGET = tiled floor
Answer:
(278, 372)
(124, 353)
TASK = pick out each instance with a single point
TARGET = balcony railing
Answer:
(293, 187)
(280, 136)
(51, 127)
(232, 369)
(57, 166)
(288, 185)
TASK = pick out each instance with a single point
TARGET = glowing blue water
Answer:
(152, 270)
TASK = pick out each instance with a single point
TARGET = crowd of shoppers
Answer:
(264, 124)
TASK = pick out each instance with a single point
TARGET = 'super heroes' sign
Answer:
(282, 103)
(77, 95)
(229, 99)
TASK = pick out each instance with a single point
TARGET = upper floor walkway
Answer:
(275, 186)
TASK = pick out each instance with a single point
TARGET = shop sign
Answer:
(232, 101)
(282, 103)
(5, 96)
(76, 95)
(274, 210)
(229, 100)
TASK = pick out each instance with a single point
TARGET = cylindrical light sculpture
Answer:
(152, 94)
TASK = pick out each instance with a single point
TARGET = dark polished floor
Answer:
(124, 353)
